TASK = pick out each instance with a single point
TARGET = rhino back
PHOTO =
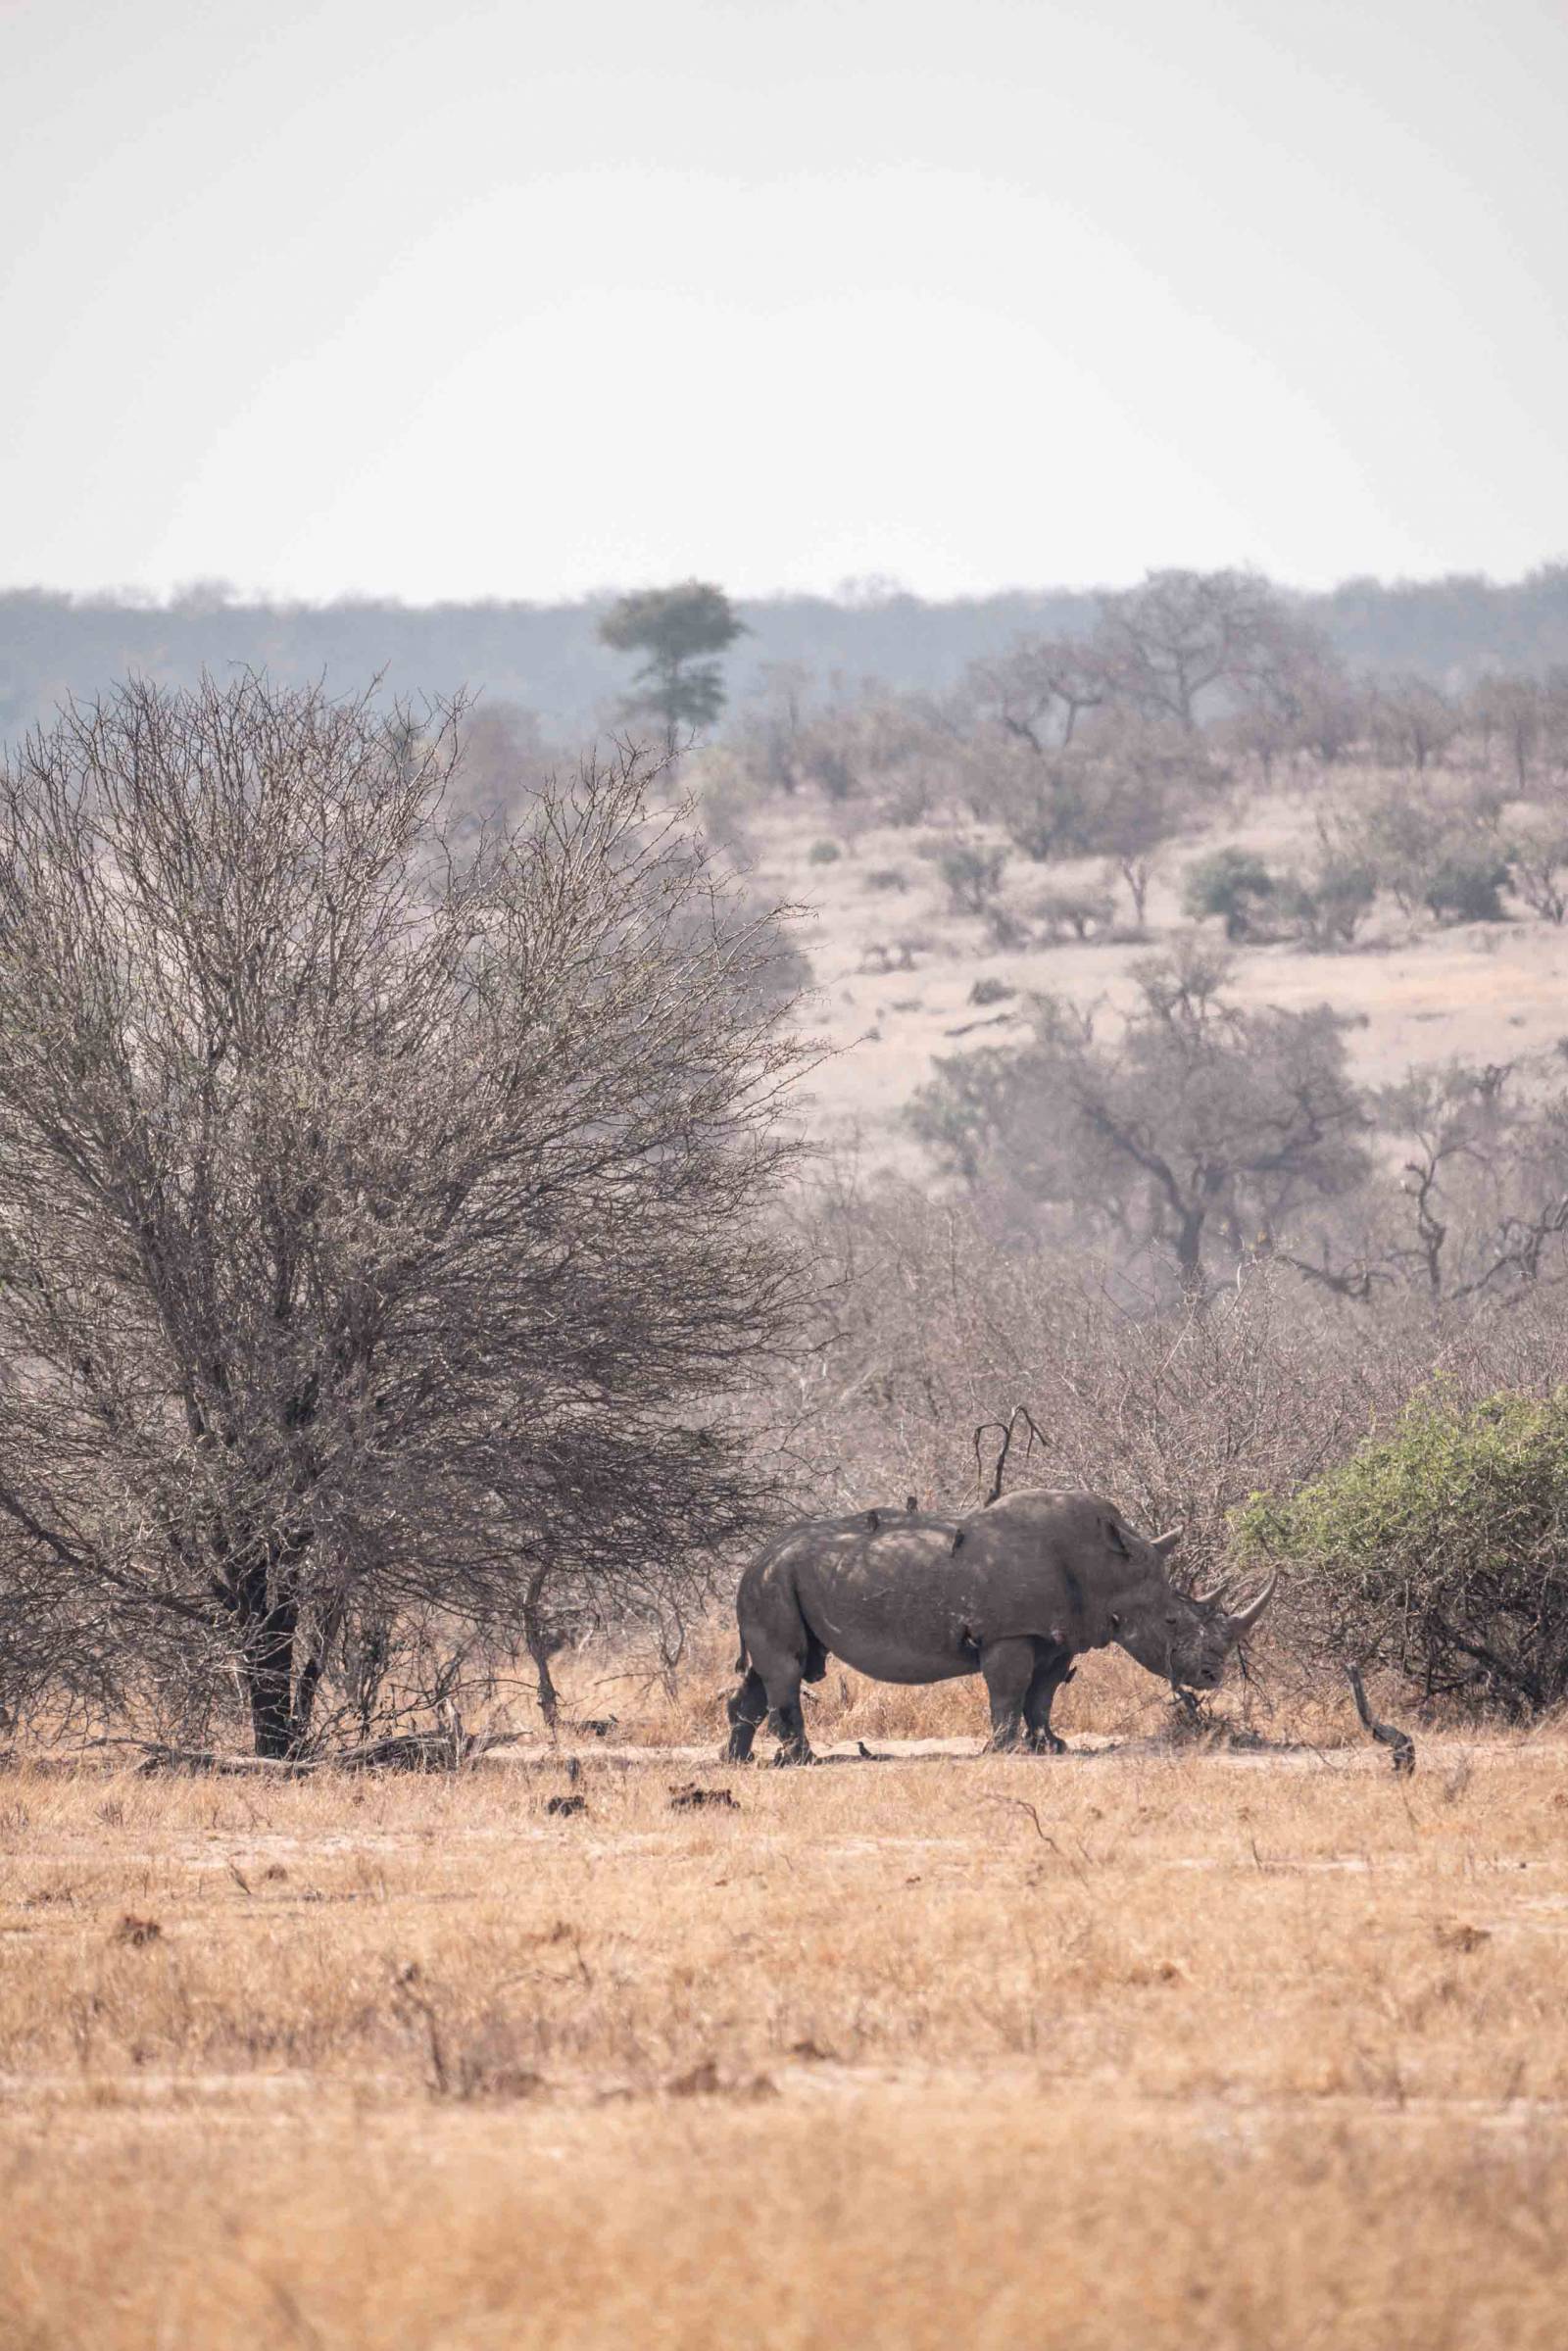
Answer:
(904, 1605)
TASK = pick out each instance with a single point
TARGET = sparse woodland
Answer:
(1171, 1215)
(419, 1289)
(418, 1258)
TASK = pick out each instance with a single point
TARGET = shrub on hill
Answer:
(1464, 888)
(971, 872)
(1232, 884)
(1328, 907)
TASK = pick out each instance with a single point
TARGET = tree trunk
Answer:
(307, 1679)
(1188, 1250)
(541, 1646)
(269, 1676)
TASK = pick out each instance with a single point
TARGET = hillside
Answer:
(895, 969)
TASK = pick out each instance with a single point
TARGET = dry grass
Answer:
(1108, 1697)
(1132, 2047)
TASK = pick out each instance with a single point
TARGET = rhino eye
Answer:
(1115, 1624)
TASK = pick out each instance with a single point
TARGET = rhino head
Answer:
(1185, 1638)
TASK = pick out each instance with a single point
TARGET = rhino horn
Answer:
(1243, 1619)
(1210, 1593)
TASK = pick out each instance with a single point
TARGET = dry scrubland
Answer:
(1148, 2045)
(1420, 993)
(1178, 2039)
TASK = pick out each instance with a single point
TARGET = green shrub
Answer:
(1441, 1547)
(1328, 909)
(972, 873)
(1231, 883)
(1464, 889)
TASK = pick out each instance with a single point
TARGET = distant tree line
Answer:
(549, 657)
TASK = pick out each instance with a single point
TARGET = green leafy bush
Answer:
(1231, 883)
(1464, 888)
(1328, 909)
(1441, 1547)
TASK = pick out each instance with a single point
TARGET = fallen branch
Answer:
(1387, 1735)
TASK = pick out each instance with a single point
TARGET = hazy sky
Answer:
(530, 298)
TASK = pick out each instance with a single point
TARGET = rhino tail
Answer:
(815, 1665)
(742, 1661)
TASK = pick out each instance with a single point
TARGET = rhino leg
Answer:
(747, 1708)
(1053, 1668)
(787, 1721)
(793, 1744)
(781, 1670)
(1008, 1668)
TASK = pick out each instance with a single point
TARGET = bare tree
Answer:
(1413, 722)
(1198, 1117)
(1025, 764)
(382, 1217)
(1512, 711)
(1038, 692)
(1481, 1203)
(1170, 642)
(1293, 696)
(1122, 788)
(1151, 781)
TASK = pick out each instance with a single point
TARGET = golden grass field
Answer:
(1137, 2048)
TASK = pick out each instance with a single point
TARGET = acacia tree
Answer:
(381, 1212)
(682, 630)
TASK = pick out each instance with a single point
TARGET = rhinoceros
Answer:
(1013, 1593)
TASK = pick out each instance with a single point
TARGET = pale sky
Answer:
(471, 298)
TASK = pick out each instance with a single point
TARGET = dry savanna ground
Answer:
(1143, 2046)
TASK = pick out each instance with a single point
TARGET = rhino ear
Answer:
(1116, 1539)
(1162, 1545)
